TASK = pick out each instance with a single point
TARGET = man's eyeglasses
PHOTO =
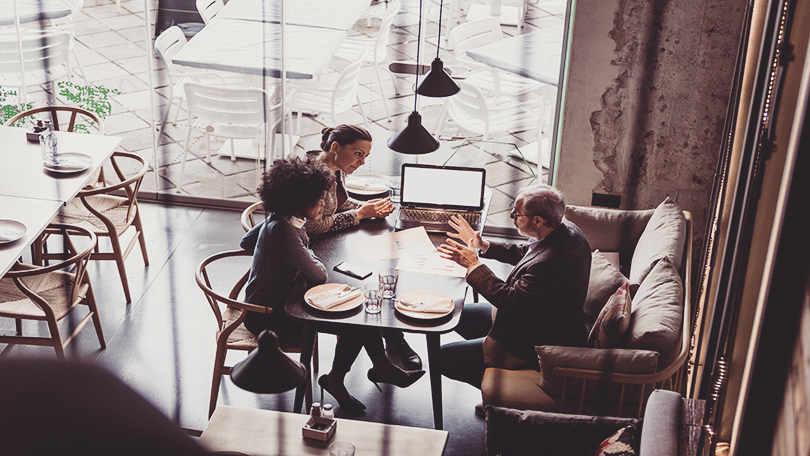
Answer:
(514, 214)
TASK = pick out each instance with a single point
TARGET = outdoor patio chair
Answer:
(45, 59)
(233, 113)
(209, 8)
(68, 24)
(354, 48)
(315, 96)
(475, 112)
(50, 293)
(230, 313)
(167, 45)
(110, 209)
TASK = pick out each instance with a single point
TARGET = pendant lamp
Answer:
(414, 139)
(267, 370)
(438, 83)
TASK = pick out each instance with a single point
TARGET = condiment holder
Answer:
(319, 428)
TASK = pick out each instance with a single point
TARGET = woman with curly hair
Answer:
(292, 191)
(344, 149)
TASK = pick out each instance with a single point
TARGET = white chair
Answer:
(64, 24)
(479, 32)
(352, 48)
(473, 111)
(167, 45)
(233, 113)
(45, 59)
(315, 96)
(209, 8)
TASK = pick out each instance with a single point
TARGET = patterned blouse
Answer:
(340, 211)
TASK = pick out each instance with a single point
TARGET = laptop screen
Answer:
(447, 187)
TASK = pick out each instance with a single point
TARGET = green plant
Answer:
(7, 111)
(89, 97)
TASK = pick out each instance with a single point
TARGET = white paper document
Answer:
(431, 263)
(414, 241)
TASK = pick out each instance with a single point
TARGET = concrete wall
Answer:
(645, 105)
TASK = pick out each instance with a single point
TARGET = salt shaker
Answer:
(328, 411)
(315, 411)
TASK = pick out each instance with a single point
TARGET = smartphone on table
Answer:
(353, 270)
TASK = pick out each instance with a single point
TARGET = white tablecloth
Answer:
(252, 47)
(332, 14)
(31, 10)
(535, 55)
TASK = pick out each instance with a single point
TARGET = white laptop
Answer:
(430, 195)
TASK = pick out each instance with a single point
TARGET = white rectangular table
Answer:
(23, 175)
(252, 47)
(330, 14)
(32, 10)
(270, 433)
(32, 195)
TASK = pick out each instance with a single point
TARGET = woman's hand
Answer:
(376, 208)
(465, 233)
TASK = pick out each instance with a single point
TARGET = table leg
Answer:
(310, 330)
(435, 372)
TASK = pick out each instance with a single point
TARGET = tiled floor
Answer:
(111, 47)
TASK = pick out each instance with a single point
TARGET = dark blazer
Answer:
(540, 302)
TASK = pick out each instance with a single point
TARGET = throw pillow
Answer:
(622, 443)
(603, 282)
(657, 316)
(664, 236)
(613, 320)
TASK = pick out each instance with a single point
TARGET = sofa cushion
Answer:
(664, 236)
(660, 435)
(517, 389)
(605, 279)
(657, 316)
(517, 432)
(621, 443)
(613, 320)
(616, 360)
(610, 230)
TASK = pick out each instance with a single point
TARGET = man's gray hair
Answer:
(544, 201)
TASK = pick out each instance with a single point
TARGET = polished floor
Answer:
(162, 344)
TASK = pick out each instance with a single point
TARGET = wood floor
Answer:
(162, 344)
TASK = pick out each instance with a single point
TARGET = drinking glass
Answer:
(372, 298)
(341, 449)
(47, 142)
(388, 282)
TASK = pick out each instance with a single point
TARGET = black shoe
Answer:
(346, 401)
(480, 410)
(395, 376)
(401, 354)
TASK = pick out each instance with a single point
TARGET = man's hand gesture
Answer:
(465, 234)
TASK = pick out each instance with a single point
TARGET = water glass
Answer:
(388, 282)
(393, 186)
(372, 298)
(47, 142)
(341, 449)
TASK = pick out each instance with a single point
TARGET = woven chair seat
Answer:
(53, 287)
(240, 338)
(113, 207)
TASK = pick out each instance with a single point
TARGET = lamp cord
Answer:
(418, 48)
(439, 40)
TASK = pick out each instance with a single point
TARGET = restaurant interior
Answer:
(674, 129)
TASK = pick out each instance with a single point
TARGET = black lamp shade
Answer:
(268, 370)
(414, 139)
(437, 83)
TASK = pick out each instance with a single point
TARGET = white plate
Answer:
(374, 181)
(348, 305)
(418, 295)
(69, 162)
(10, 231)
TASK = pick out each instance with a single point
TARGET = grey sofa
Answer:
(652, 250)
(671, 426)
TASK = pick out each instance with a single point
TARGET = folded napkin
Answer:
(331, 298)
(359, 183)
(426, 304)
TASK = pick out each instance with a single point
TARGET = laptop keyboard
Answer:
(421, 215)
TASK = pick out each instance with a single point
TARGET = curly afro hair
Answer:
(292, 185)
